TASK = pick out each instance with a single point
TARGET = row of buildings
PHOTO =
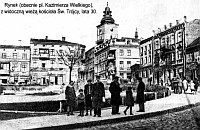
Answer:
(38, 63)
(171, 52)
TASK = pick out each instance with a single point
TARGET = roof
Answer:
(194, 46)
(54, 42)
(14, 47)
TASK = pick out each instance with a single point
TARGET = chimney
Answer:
(177, 22)
(46, 37)
(165, 27)
(185, 19)
(159, 30)
(170, 25)
(63, 38)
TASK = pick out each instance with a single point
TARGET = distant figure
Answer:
(88, 88)
(70, 97)
(140, 98)
(129, 100)
(180, 86)
(115, 91)
(98, 95)
(196, 82)
(185, 85)
(81, 102)
(192, 86)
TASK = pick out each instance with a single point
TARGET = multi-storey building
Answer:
(89, 63)
(163, 55)
(14, 64)
(112, 56)
(47, 66)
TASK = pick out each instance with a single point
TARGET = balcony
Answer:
(44, 56)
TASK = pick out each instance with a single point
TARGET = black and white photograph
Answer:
(100, 64)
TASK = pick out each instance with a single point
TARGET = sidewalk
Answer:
(175, 102)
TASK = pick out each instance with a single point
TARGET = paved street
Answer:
(184, 120)
(139, 120)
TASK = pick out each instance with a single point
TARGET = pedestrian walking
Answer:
(129, 100)
(81, 102)
(185, 85)
(88, 88)
(140, 98)
(196, 82)
(98, 96)
(115, 91)
(70, 97)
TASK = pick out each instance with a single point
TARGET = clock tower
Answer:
(107, 29)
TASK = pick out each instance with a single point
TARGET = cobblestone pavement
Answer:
(183, 120)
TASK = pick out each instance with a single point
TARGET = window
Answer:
(43, 51)
(34, 64)
(3, 55)
(149, 59)
(1, 66)
(145, 60)
(121, 65)
(24, 56)
(121, 75)
(141, 61)
(121, 52)
(35, 52)
(14, 55)
(52, 53)
(52, 61)
(43, 65)
(149, 48)
(141, 51)
(128, 52)
(23, 67)
(43, 45)
(145, 51)
(128, 65)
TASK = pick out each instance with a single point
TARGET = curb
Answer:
(119, 119)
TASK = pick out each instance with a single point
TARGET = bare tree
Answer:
(70, 57)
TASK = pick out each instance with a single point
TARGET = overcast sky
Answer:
(146, 15)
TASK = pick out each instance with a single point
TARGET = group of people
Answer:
(182, 86)
(93, 95)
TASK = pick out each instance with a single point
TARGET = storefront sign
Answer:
(101, 46)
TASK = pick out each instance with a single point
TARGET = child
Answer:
(129, 100)
(81, 102)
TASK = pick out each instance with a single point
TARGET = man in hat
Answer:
(88, 88)
(115, 91)
(98, 94)
(140, 98)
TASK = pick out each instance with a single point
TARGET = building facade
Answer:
(163, 55)
(14, 64)
(47, 66)
(112, 56)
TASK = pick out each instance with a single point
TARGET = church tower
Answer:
(107, 29)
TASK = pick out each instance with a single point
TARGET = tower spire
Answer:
(136, 33)
(107, 17)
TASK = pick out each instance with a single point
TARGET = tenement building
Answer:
(14, 64)
(47, 67)
(113, 56)
(163, 55)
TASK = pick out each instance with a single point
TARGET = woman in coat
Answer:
(129, 100)
(140, 98)
(70, 97)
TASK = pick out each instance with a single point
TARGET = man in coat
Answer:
(115, 91)
(140, 98)
(98, 94)
(88, 88)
